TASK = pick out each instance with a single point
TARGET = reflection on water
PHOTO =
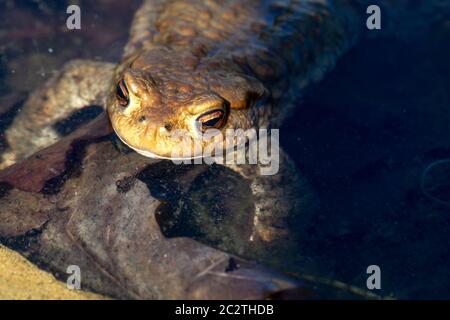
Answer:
(363, 137)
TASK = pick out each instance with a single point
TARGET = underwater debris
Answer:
(435, 181)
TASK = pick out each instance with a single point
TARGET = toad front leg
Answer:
(80, 83)
(280, 199)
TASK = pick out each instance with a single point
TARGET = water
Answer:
(363, 137)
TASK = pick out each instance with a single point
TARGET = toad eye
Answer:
(213, 119)
(122, 93)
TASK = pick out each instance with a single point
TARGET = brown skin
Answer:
(182, 64)
(161, 90)
(185, 59)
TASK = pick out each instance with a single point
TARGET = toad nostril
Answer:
(142, 119)
(168, 126)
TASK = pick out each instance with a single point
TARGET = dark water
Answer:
(363, 137)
